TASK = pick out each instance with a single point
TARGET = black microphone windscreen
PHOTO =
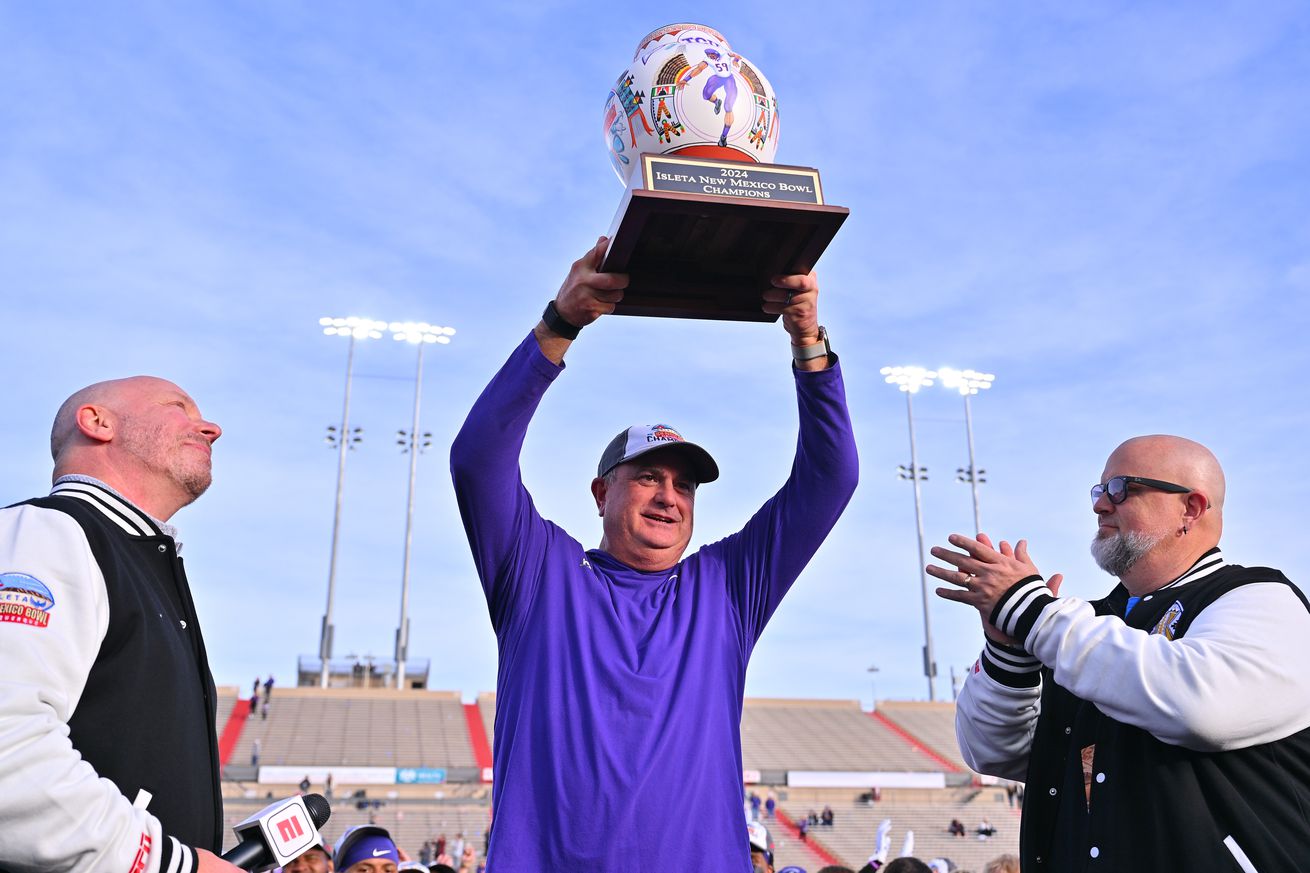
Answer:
(319, 809)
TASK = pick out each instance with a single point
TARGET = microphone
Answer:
(279, 833)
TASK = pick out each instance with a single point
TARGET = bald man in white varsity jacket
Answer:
(1164, 727)
(108, 752)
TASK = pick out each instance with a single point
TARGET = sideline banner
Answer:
(420, 775)
(847, 779)
(318, 775)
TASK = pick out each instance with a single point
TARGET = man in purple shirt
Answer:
(622, 668)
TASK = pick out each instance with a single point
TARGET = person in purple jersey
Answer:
(622, 668)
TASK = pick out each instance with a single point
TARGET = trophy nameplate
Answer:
(701, 238)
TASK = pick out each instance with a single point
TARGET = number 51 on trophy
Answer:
(706, 219)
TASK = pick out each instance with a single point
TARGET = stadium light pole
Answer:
(968, 383)
(873, 677)
(354, 328)
(421, 334)
(909, 380)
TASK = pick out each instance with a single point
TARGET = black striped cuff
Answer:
(1010, 666)
(175, 857)
(1017, 610)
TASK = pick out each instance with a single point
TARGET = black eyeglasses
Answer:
(1116, 488)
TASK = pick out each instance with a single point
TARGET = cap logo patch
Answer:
(25, 599)
(660, 433)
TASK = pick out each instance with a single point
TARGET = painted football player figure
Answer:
(722, 66)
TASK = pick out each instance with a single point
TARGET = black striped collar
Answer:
(112, 505)
(1204, 566)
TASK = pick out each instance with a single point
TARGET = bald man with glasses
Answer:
(1165, 726)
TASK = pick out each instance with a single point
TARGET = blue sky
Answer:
(1105, 204)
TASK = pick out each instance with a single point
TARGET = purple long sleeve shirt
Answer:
(619, 692)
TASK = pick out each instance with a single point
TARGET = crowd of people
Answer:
(769, 804)
(762, 856)
(255, 698)
(371, 849)
(459, 855)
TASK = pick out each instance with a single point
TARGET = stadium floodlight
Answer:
(909, 380)
(354, 328)
(968, 383)
(417, 332)
(420, 334)
(965, 381)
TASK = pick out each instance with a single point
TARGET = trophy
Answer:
(706, 219)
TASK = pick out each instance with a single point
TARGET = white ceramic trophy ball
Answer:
(687, 92)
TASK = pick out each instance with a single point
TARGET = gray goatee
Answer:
(1117, 554)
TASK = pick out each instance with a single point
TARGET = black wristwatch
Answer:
(556, 323)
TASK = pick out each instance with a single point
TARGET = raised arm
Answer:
(1245, 649)
(796, 299)
(503, 527)
(687, 74)
(781, 538)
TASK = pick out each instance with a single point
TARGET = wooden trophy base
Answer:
(702, 238)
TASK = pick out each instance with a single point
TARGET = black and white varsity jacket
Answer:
(108, 746)
(1177, 738)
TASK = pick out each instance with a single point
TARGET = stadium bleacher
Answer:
(410, 822)
(927, 812)
(487, 706)
(782, 735)
(375, 727)
(353, 730)
(227, 701)
(931, 723)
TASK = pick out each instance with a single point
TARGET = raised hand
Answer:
(587, 294)
(983, 572)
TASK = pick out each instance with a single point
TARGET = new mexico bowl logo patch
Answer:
(1167, 627)
(25, 599)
